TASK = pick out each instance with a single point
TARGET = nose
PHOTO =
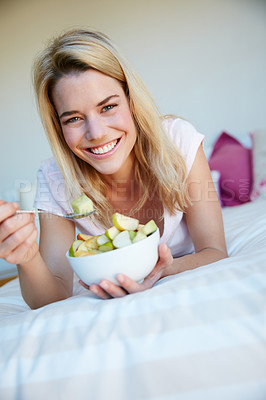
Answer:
(95, 128)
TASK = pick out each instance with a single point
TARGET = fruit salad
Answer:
(124, 232)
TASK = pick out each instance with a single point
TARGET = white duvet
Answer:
(197, 335)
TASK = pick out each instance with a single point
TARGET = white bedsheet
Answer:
(197, 335)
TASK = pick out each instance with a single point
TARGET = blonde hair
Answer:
(159, 166)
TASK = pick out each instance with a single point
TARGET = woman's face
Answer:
(96, 120)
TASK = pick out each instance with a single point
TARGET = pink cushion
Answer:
(259, 164)
(234, 163)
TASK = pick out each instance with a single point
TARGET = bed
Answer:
(197, 335)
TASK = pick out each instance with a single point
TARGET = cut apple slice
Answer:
(90, 244)
(82, 205)
(122, 223)
(126, 230)
(108, 246)
(112, 232)
(148, 228)
(74, 247)
(122, 240)
(132, 234)
(102, 239)
(82, 236)
(139, 236)
(85, 253)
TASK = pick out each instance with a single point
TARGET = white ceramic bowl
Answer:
(136, 261)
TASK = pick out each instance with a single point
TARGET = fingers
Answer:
(24, 252)
(17, 234)
(100, 292)
(107, 290)
(165, 256)
(13, 228)
(11, 222)
(15, 247)
(129, 285)
(96, 289)
(7, 210)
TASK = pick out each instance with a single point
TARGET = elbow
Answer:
(214, 254)
(223, 254)
(35, 304)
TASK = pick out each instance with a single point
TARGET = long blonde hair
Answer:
(159, 166)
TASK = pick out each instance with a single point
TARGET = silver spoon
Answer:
(67, 216)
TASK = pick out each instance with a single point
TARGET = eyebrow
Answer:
(107, 99)
(104, 101)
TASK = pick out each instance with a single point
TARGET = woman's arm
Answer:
(44, 273)
(204, 220)
(48, 277)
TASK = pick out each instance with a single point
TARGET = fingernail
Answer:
(104, 285)
(120, 278)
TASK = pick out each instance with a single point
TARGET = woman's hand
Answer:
(18, 234)
(108, 290)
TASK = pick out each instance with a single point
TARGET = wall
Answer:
(204, 60)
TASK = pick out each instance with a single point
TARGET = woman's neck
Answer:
(123, 192)
(121, 183)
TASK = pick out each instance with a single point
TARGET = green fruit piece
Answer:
(122, 240)
(132, 235)
(139, 236)
(112, 232)
(149, 228)
(102, 239)
(106, 247)
(82, 205)
(74, 247)
(122, 223)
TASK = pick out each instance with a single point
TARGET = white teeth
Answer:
(104, 149)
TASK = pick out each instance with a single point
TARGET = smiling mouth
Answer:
(104, 149)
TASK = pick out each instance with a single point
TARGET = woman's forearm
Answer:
(38, 286)
(192, 261)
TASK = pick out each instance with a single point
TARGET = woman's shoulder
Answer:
(179, 129)
(50, 169)
(185, 137)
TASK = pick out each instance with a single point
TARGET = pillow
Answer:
(259, 164)
(233, 161)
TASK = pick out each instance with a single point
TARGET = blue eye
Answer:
(109, 107)
(71, 120)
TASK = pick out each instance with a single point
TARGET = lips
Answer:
(105, 149)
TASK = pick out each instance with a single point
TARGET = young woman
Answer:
(109, 142)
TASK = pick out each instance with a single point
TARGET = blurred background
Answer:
(204, 60)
